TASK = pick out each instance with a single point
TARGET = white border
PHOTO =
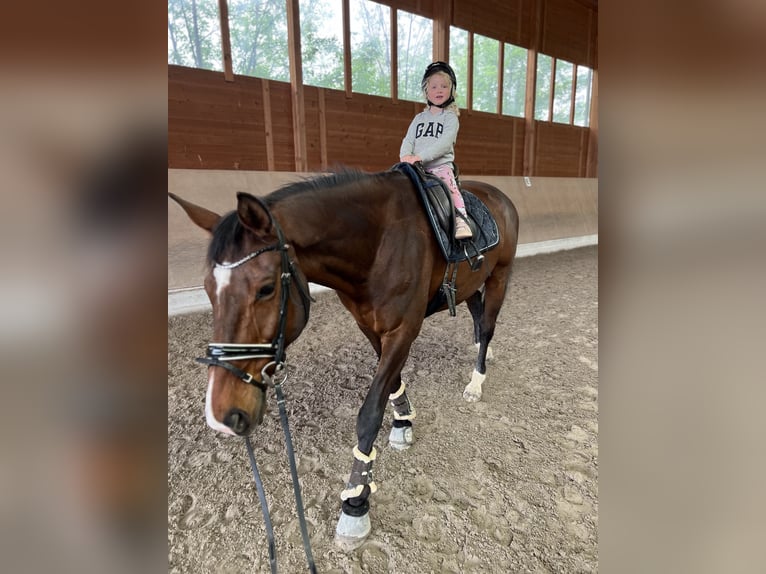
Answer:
(194, 299)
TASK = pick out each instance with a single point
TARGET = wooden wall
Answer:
(247, 124)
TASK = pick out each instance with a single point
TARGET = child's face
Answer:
(439, 88)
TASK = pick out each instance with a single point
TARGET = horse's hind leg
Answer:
(484, 310)
(401, 436)
(475, 304)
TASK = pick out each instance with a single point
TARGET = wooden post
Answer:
(394, 57)
(296, 85)
(500, 74)
(573, 95)
(347, 48)
(529, 100)
(513, 147)
(268, 128)
(323, 129)
(529, 113)
(469, 78)
(223, 14)
(591, 162)
(591, 169)
(442, 23)
(552, 95)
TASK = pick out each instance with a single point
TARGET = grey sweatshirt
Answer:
(432, 137)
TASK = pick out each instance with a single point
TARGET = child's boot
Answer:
(462, 230)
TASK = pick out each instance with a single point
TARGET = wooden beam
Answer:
(529, 113)
(591, 169)
(573, 95)
(469, 79)
(442, 23)
(347, 48)
(296, 85)
(223, 15)
(268, 127)
(530, 129)
(552, 95)
(500, 74)
(394, 57)
(513, 147)
(322, 129)
(591, 161)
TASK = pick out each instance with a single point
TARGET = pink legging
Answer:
(445, 173)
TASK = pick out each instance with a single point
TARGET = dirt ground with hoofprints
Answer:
(507, 484)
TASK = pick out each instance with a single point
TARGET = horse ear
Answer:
(204, 218)
(253, 214)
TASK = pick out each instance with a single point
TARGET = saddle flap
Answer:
(441, 202)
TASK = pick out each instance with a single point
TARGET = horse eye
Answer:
(264, 291)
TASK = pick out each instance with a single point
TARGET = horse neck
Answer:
(334, 233)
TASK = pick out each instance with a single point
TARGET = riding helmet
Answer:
(440, 67)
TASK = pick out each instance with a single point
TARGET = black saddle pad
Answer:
(483, 225)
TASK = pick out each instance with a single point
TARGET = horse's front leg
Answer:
(354, 523)
(401, 436)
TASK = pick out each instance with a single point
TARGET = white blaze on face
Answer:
(222, 278)
(212, 422)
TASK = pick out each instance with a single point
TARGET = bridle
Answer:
(221, 355)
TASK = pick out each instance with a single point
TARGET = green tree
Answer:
(259, 38)
(514, 80)
(458, 59)
(582, 96)
(370, 48)
(485, 65)
(544, 85)
(562, 95)
(194, 34)
(322, 43)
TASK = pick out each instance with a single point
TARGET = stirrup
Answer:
(475, 259)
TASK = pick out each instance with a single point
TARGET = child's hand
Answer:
(410, 158)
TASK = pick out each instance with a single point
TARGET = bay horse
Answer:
(367, 237)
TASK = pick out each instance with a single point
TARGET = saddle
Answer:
(437, 202)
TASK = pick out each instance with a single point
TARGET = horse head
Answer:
(260, 305)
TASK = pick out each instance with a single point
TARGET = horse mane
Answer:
(317, 184)
(230, 231)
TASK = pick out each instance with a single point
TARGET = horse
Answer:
(365, 236)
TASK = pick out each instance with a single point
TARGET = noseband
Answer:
(221, 354)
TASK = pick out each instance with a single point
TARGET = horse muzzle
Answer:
(232, 408)
(241, 423)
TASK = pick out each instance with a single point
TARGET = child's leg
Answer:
(444, 172)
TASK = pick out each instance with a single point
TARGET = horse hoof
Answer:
(401, 438)
(472, 392)
(352, 531)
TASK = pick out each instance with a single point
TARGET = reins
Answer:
(220, 355)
